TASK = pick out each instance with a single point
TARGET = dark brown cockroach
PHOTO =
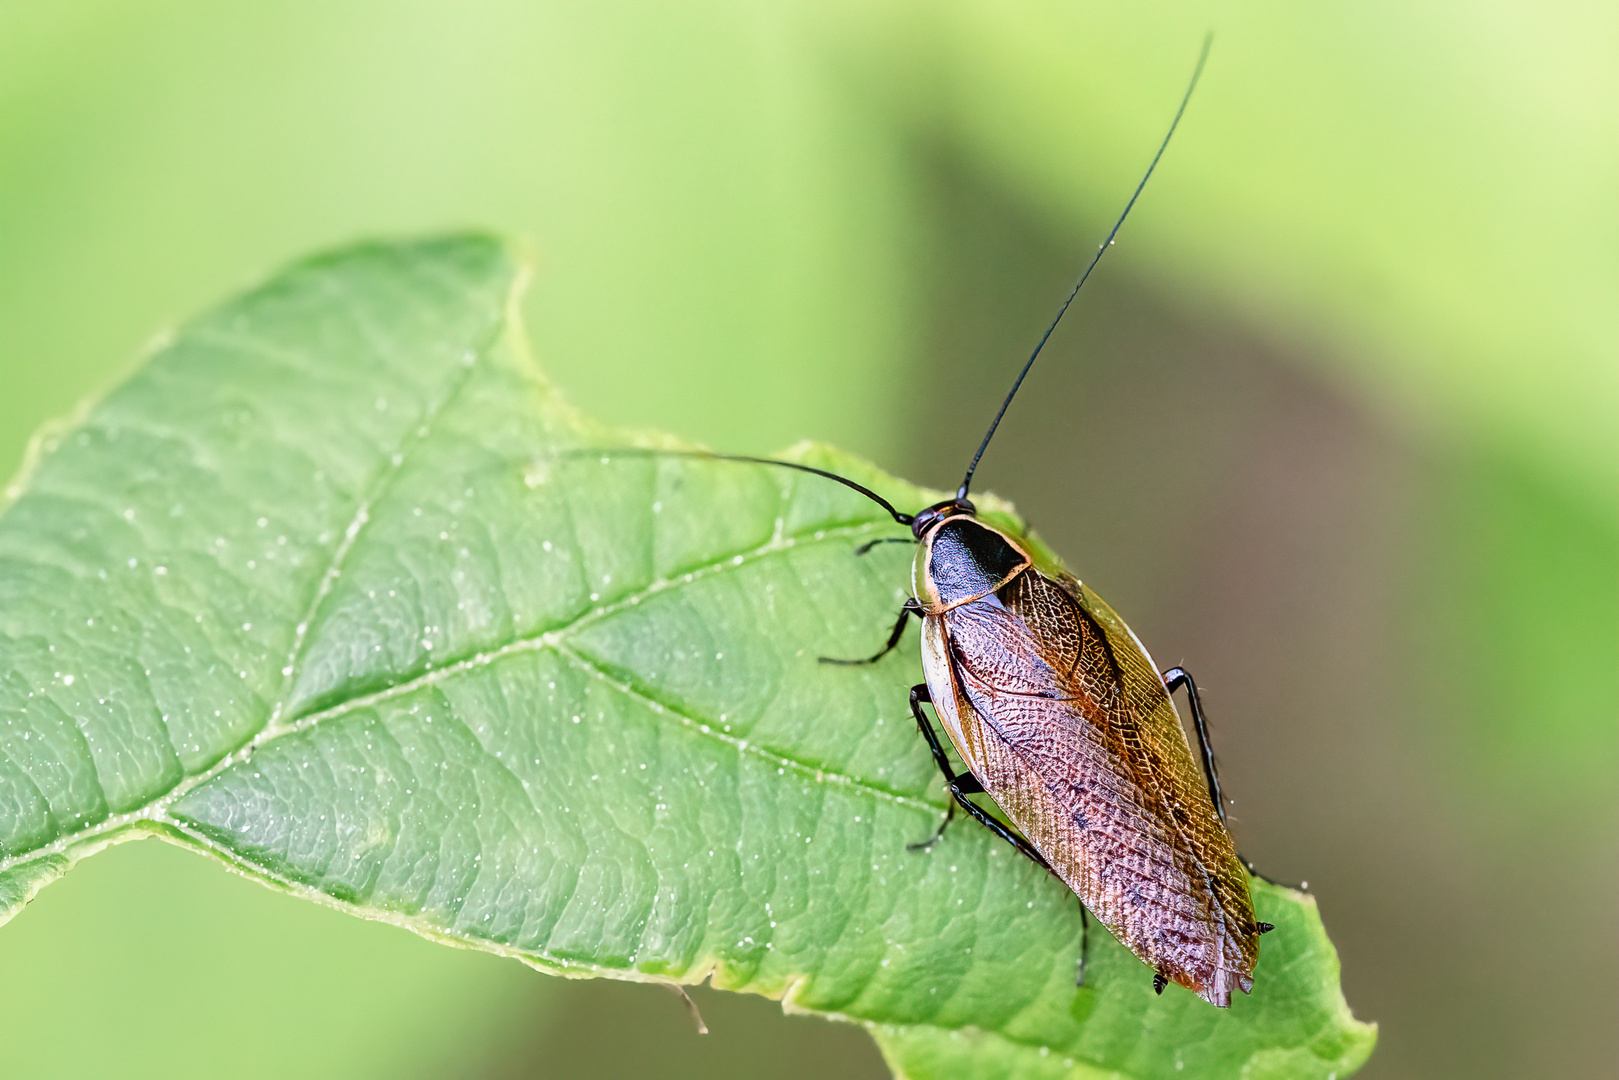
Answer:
(1063, 720)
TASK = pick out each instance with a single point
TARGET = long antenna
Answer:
(704, 455)
(961, 493)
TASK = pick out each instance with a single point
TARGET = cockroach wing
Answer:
(1058, 711)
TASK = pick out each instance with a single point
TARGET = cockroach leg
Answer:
(938, 834)
(1174, 679)
(869, 544)
(988, 822)
(961, 786)
(911, 607)
(1254, 872)
(1084, 944)
(919, 694)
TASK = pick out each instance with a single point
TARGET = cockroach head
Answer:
(927, 519)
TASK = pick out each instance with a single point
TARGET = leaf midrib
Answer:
(554, 638)
(394, 460)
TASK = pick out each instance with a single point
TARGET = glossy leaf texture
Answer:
(327, 590)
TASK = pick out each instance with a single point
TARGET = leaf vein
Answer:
(743, 747)
(376, 490)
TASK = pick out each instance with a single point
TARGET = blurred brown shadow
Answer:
(1313, 567)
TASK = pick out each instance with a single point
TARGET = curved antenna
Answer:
(1197, 72)
(645, 451)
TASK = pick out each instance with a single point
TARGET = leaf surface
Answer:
(328, 590)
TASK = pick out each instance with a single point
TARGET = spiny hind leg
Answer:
(911, 607)
(1174, 679)
(960, 787)
(1084, 944)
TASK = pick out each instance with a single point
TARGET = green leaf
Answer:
(326, 591)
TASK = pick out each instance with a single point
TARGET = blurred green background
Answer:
(1337, 427)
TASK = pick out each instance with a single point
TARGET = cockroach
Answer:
(1063, 720)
